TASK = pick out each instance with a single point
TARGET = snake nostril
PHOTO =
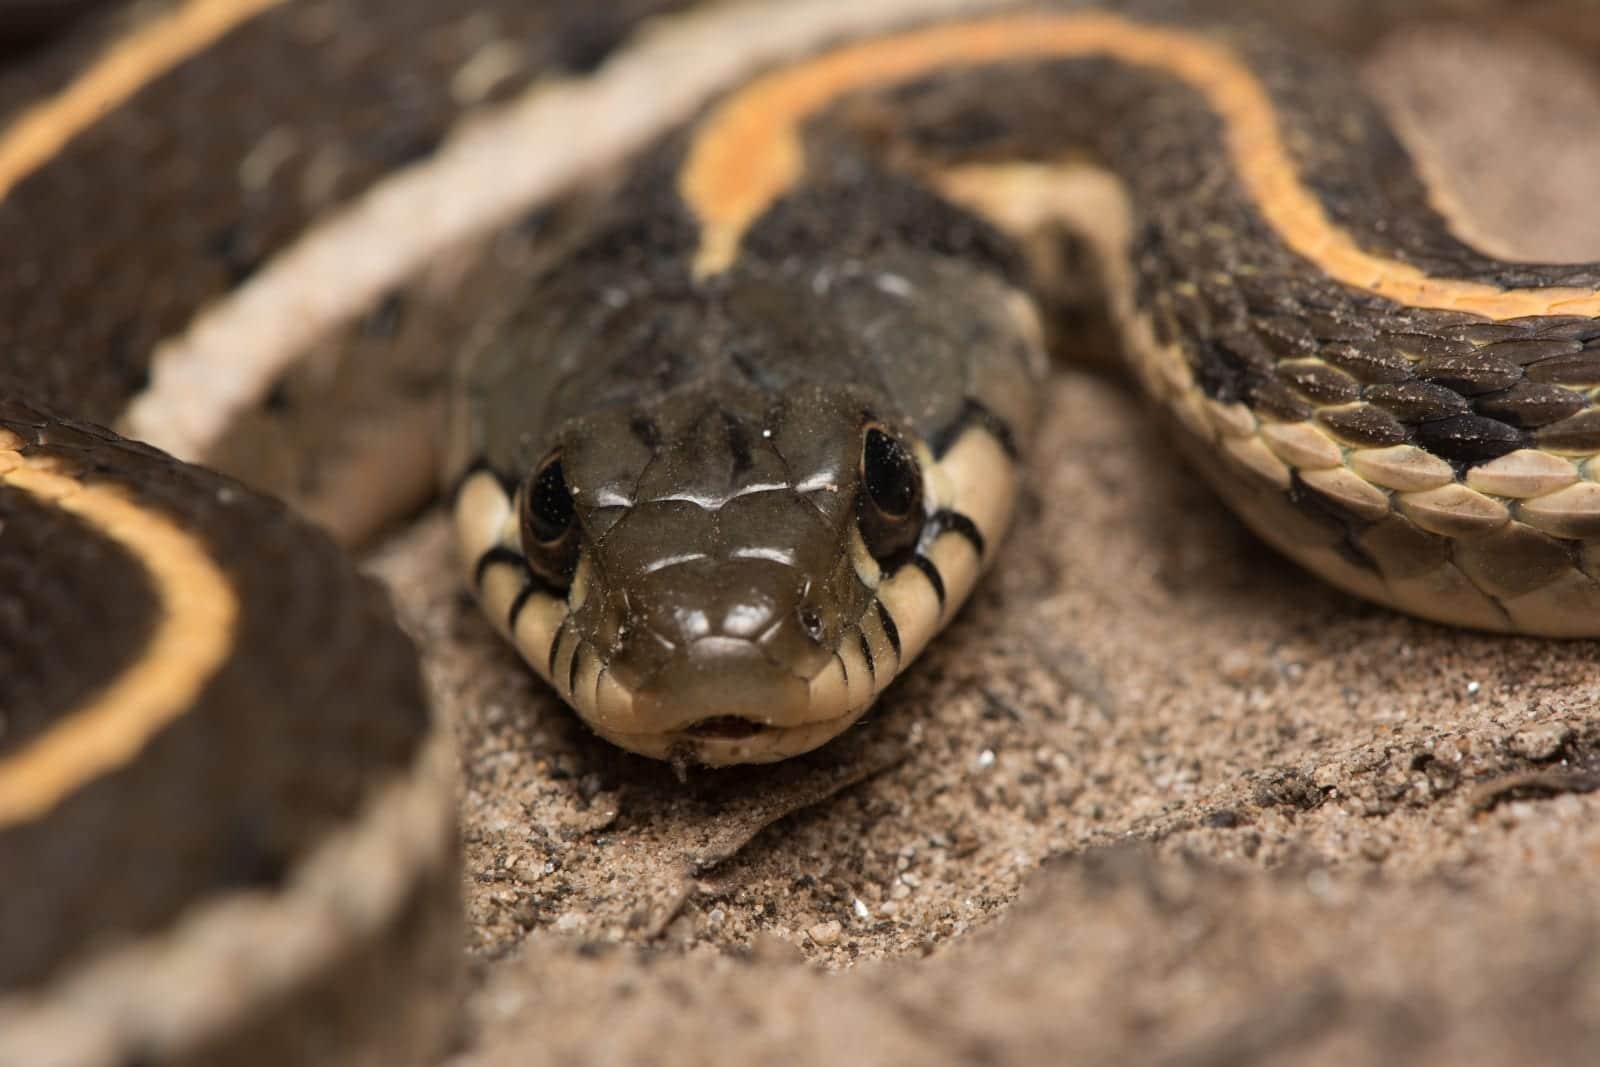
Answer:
(811, 622)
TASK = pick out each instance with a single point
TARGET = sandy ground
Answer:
(1158, 797)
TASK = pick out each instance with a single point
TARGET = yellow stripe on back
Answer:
(126, 67)
(190, 641)
(748, 153)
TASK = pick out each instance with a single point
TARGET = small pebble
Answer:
(826, 933)
(1236, 666)
(1540, 742)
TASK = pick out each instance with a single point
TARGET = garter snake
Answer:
(723, 469)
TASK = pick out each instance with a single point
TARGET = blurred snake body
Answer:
(734, 449)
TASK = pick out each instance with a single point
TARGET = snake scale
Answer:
(732, 449)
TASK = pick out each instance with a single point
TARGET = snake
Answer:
(732, 450)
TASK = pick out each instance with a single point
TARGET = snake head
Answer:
(722, 532)
(718, 553)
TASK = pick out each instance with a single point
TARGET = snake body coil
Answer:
(738, 445)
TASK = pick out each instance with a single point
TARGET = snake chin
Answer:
(727, 740)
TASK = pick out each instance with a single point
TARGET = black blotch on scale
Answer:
(518, 604)
(495, 556)
(976, 413)
(555, 648)
(948, 521)
(574, 667)
(930, 570)
(890, 630)
(866, 651)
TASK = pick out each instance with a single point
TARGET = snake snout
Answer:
(722, 680)
(721, 639)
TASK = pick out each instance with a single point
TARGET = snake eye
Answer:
(889, 507)
(550, 523)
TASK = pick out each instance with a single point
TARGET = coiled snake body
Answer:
(724, 467)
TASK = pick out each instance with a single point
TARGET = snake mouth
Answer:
(723, 740)
(728, 727)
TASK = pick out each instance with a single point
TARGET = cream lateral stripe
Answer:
(130, 64)
(748, 153)
(189, 643)
(231, 352)
(160, 999)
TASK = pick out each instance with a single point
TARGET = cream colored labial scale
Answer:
(1252, 460)
(486, 520)
(483, 518)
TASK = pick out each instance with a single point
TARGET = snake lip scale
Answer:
(741, 426)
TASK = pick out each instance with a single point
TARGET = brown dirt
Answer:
(1158, 797)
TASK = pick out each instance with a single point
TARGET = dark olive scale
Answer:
(1426, 347)
(1567, 328)
(1276, 400)
(1365, 425)
(1468, 438)
(1529, 405)
(1328, 326)
(1534, 350)
(1369, 364)
(1479, 372)
(1288, 337)
(1578, 435)
(1414, 402)
(1578, 368)
(1489, 333)
(1394, 321)
(1319, 382)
